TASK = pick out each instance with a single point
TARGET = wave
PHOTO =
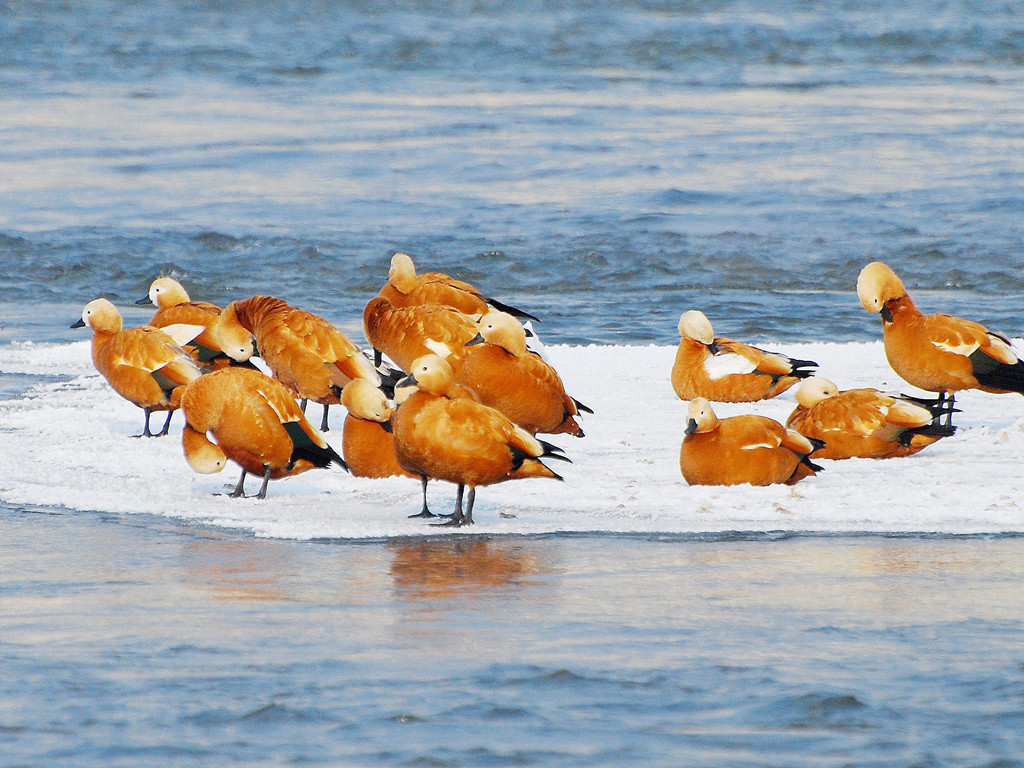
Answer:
(67, 446)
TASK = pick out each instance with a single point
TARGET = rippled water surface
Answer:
(606, 165)
(179, 646)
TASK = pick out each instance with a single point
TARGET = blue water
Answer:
(131, 642)
(605, 166)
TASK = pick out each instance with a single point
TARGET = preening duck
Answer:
(405, 288)
(368, 442)
(864, 423)
(723, 370)
(306, 353)
(505, 375)
(255, 422)
(406, 333)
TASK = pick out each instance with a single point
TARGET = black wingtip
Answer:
(514, 311)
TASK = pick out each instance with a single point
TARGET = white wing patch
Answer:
(439, 348)
(960, 349)
(755, 446)
(280, 416)
(182, 333)
(727, 363)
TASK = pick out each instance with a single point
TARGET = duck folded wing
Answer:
(148, 349)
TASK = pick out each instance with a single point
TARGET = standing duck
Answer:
(937, 353)
(255, 422)
(306, 353)
(146, 365)
(460, 440)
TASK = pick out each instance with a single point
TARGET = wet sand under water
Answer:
(132, 640)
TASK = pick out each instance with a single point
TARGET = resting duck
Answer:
(727, 371)
(742, 449)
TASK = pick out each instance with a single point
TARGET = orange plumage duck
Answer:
(505, 375)
(146, 365)
(407, 333)
(460, 440)
(368, 442)
(742, 449)
(864, 423)
(174, 307)
(937, 353)
(306, 353)
(406, 288)
(255, 422)
(727, 371)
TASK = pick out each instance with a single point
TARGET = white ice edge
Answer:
(68, 445)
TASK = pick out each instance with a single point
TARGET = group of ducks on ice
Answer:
(472, 396)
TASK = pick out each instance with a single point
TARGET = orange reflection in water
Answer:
(236, 570)
(444, 568)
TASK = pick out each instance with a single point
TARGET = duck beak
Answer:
(80, 323)
(691, 427)
(408, 381)
(886, 313)
(144, 300)
(713, 348)
(387, 426)
(478, 339)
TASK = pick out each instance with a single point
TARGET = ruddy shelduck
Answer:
(742, 449)
(405, 288)
(937, 353)
(505, 375)
(255, 422)
(306, 353)
(146, 365)
(407, 333)
(863, 423)
(174, 308)
(460, 440)
(727, 371)
(368, 443)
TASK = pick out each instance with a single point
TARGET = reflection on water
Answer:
(579, 650)
(236, 569)
(462, 566)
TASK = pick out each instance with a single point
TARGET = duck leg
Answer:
(145, 430)
(263, 488)
(323, 421)
(460, 519)
(425, 512)
(167, 425)
(239, 491)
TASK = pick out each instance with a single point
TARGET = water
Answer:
(588, 159)
(183, 646)
(605, 166)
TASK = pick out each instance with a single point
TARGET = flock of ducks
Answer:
(453, 391)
